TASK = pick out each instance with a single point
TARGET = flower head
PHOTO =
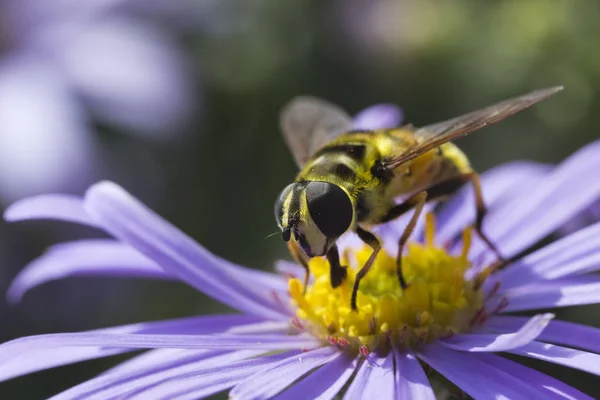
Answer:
(452, 317)
(438, 302)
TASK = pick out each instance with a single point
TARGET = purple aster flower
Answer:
(453, 317)
(63, 61)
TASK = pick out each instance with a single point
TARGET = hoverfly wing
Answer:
(308, 123)
(432, 136)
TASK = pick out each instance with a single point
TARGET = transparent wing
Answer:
(434, 135)
(308, 123)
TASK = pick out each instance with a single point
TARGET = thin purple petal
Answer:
(554, 387)
(205, 382)
(267, 383)
(54, 357)
(288, 268)
(561, 332)
(542, 209)
(324, 383)
(22, 347)
(156, 357)
(46, 357)
(49, 206)
(411, 381)
(588, 362)
(574, 254)
(382, 381)
(380, 116)
(163, 365)
(359, 383)
(572, 291)
(92, 257)
(498, 184)
(478, 379)
(129, 220)
(501, 342)
(203, 324)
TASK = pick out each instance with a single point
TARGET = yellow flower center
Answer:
(438, 301)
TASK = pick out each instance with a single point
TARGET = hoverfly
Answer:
(349, 179)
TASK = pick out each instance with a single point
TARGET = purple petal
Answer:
(575, 254)
(203, 324)
(129, 220)
(157, 357)
(380, 116)
(577, 290)
(566, 333)
(324, 383)
(204, 382)
(411, 381)
(381, 382)
(498, 185)
(51, 358)
(542, 209)
(553, 387)
(288, 268)
(503, 342)
(359, 382)
(267, 383)
(164, 364)
(478, 379)
(19, 348)
(588, 362)
(93, 257)
(49, 206)
(46, 357)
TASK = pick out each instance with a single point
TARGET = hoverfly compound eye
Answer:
(279, 204)
(329, 207)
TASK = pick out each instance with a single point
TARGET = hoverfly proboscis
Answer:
(349, 179)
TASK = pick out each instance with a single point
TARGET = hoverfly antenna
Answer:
(286, 234)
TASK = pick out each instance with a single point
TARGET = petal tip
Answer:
(14, 293)
(11, 214)
(103, 186)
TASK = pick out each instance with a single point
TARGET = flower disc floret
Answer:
(438, 302)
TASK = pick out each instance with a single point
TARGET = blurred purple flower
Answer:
(380, 116)
(264, 352)
(64, 63)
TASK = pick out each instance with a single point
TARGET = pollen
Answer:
(438, 301)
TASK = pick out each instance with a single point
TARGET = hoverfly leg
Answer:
(336, 271)
(418, 201)
(481, 213)
(372, 241)
(300, 259)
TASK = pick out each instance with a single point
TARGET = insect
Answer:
(349, 180)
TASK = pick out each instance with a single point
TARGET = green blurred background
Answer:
(436, 59)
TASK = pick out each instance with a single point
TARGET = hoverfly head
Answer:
(315, 214)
